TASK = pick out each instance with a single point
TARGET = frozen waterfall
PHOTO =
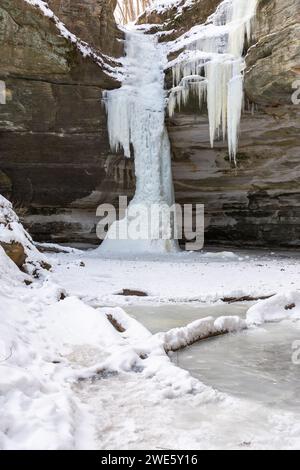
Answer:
(211, 67)
(136, 123)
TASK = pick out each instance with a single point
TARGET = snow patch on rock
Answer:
(82, 46)
(12, 231)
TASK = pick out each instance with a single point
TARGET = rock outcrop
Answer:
(92, 21)
(173, 21)
(55, 160)
(17, 243)
(258, 202)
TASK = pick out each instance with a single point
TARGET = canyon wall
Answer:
(55, 160)
(256, 203)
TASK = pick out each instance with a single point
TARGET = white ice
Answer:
(136, 114)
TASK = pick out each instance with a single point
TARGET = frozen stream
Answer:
(255, 364)
(165, 317)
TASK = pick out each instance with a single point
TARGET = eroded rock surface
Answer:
(55, 160)
(92, 21)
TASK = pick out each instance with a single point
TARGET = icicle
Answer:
(235, 103)
(213, 53)
(119, 120)
(180, 94)
(242, 15)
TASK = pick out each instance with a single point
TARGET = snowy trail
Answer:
(136, 124)
(58, 341)
(132, 413)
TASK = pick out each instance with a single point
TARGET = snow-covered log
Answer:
(179, 338)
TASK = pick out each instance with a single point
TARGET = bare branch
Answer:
(129, 10)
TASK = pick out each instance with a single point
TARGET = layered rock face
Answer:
(55, 161)
(258, 202)
(92, 21)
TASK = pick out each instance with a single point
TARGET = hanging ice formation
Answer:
(136, 123)
(211, 67)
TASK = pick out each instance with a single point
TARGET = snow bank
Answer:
(38, 411)
(12, 231)
(136, 350)
(38, 333)
(74, 323)
(277, 308)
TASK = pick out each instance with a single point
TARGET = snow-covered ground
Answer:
(76, 371)
(183, 277)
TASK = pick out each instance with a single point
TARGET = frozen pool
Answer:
(165, 317)
(255, 364)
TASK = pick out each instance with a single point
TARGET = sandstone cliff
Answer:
(54, 149)
(55, 161)
(257, 203)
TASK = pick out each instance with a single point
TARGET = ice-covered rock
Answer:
(16, 242)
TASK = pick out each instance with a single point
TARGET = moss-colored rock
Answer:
(16, 252)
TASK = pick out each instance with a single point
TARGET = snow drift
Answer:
(277, 308)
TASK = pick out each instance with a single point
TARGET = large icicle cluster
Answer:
(211, 67)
